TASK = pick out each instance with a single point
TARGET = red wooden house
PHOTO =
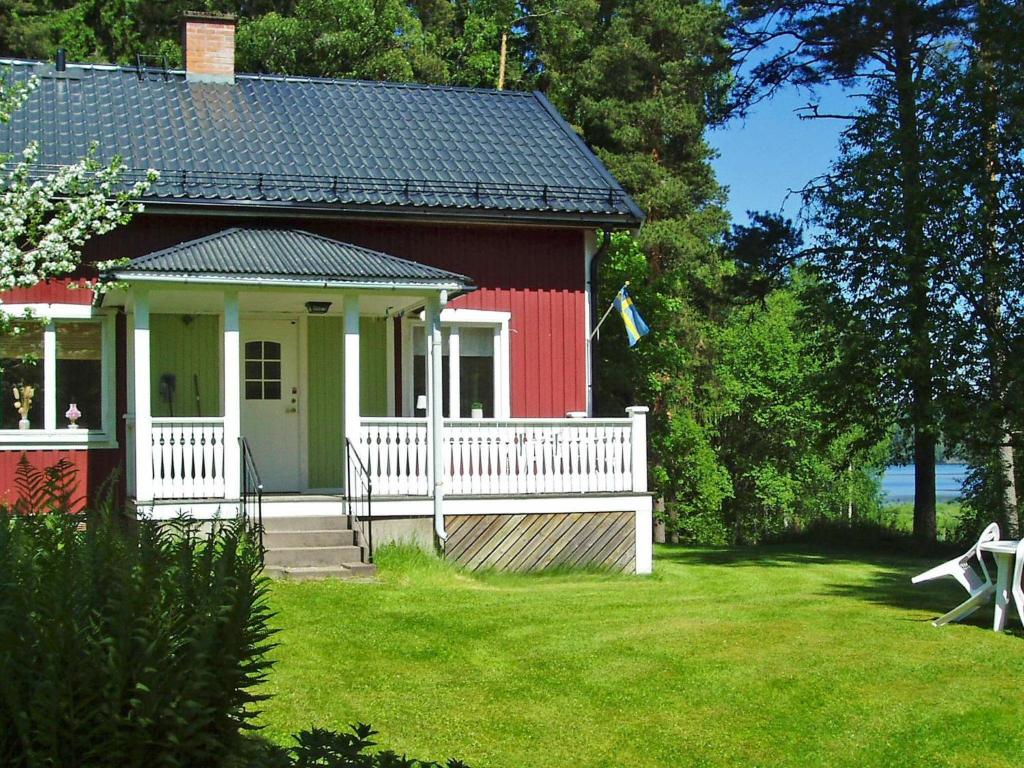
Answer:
(343, 289)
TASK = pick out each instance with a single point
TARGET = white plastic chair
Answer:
(979, 587)
(1018, 573)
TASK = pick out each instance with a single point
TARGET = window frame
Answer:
(453, 320)
(51, 436)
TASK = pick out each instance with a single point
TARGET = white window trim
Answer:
(50, 437)
(452, 320)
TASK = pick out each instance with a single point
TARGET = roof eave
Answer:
(271, 281)
(407, 213)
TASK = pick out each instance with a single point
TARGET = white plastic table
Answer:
(1003, 552)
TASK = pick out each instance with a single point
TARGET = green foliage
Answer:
(322, 748)
(128, 646)
(374, 40)
(790, 459)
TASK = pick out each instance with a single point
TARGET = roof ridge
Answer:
(273, 77)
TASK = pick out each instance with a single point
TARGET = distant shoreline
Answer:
(898, 482)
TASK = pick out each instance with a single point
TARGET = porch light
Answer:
(318, 307)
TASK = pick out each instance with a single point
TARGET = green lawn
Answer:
(776, 656)
(947, 516)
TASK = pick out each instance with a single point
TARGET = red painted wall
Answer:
(535, 273)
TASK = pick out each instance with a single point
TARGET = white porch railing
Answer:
(188, 458)
(526, 456)
(508, 457)
(396, 455)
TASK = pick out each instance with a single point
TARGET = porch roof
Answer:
(286, 257)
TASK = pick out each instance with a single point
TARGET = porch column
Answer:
(435, 408)
(143, 413)
(232, 397)
(351, 349)
(638, 444)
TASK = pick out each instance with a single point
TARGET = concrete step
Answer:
(312, 538)
(310, 573)
(312, 556)
(272, 524)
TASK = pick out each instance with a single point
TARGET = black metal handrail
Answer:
(359, 495)
(251, 491)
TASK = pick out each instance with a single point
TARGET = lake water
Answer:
(898, 482)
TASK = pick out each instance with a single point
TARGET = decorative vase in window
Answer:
(477, 410)
(23, 403)
(73, 415)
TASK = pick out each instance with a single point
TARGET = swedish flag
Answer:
(636, 328)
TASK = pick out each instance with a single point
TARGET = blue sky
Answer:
(773, 150)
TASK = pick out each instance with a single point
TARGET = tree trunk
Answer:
(502, 59)
(992, 321)
(920, 354)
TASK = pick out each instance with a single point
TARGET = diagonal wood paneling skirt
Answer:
(538, 541)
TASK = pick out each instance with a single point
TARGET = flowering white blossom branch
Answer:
(46, 219)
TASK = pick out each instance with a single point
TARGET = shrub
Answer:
(320, 748)
(127, 645)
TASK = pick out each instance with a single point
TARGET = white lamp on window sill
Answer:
(421, 403)
(73, 415)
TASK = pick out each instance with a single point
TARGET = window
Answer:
(476, 371)
(262, 370)
(67, 363)
(80, 373)
(419, 368)
(21, 376)
(474, 368)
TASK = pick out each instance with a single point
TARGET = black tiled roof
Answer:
(284, 254)
(321, 143)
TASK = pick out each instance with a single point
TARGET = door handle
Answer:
(291, 410)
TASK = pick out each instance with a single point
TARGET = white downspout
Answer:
(436, 408)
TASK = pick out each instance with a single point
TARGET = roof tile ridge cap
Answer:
(154, 255)
(390, 256)
(274, 77)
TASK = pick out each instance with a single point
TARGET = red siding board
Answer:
(534, 273)
(62, 291)
(94, 468)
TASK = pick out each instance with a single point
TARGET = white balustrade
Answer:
(528, 456)
(188, 458)
(487, 457)
(396, 455)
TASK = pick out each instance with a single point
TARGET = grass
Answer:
(778, 656)
(947, 515)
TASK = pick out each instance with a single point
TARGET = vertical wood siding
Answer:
(61, 291)
(188, 348)
(535, 273)
(373, 391)
(325, 449)
(94, 468)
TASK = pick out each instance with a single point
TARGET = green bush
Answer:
(320, 748)
(126, 644)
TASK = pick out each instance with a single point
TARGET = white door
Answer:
(270, 399)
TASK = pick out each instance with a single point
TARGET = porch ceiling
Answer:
(284, 257)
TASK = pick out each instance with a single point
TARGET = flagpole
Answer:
(601, 321)
(608, 311)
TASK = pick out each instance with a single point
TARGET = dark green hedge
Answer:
(126, 644)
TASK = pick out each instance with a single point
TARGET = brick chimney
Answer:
(209, 43)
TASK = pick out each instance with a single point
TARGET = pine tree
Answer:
(877, 243)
